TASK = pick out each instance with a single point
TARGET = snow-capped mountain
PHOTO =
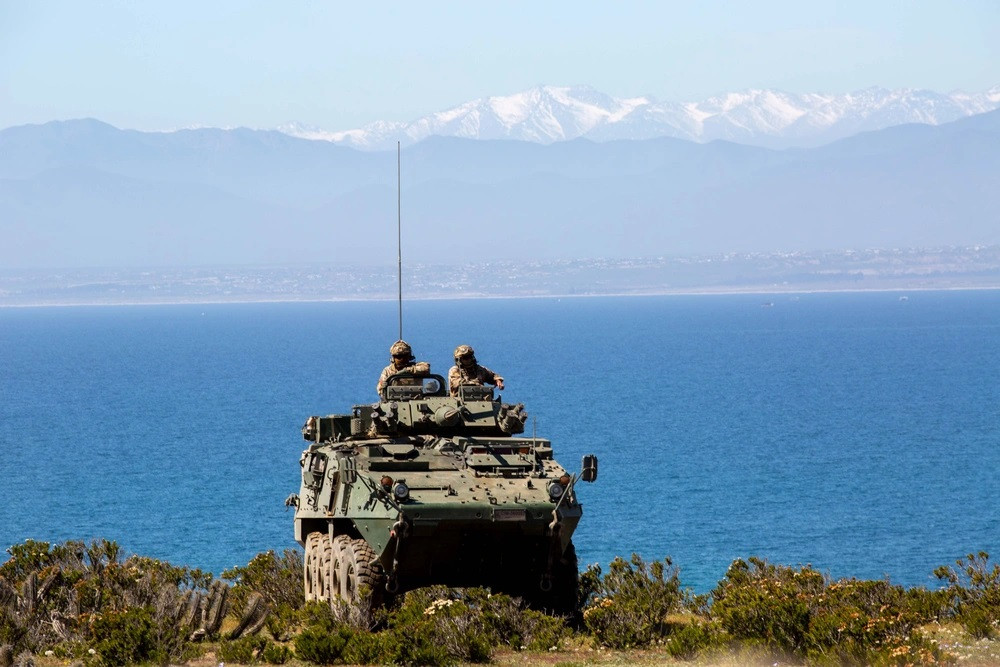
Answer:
(84, 193)
(547, 114)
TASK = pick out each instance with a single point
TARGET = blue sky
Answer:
(339, 65)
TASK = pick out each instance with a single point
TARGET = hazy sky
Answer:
(338, 65)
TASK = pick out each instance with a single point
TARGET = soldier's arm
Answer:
(420, 368)
(491, 377)
(454, 379)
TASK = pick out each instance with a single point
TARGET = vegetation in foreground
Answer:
(90, 605)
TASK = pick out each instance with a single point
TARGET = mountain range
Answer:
(768, 118)
(84, 193)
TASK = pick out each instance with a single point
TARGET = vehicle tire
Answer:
(561, 599)
(324, 591)
(362, 581)
(340, 544)
(311, 565)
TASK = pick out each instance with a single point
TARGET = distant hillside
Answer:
(83, 193)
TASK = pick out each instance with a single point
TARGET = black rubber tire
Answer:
(561, 599)
(566, 582)
(324, 592)
(311, 565)
(340, 544)
(362, 580)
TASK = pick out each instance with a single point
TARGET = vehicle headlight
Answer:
(401, 491)
(555, 490)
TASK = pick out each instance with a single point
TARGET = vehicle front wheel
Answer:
(361, 578)
(561, 598)
(313, 565)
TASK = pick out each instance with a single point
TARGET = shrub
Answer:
(366, 648)
(435, 626)
(930, 605)
(124, 637)
(432, 626)
(800, 612)
(34, 556)
(506, 621)
(275, 654)
(324, 638)
(632, 602)
(588, 584)
(765, 603)
(322, 645)
(244, 650)
(277, 580)
(49, 594)
(974, 593)
(687, 640)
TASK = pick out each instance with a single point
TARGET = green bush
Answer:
(978, 620)
(588, 584)
(324, 638)
(507, 621)
(322, 645)
(687, 640)
(74, 598)
(436, 626)
(366, 648)
(431, 626)
(801, 613)
(50, 594)
(974, 593)
(34, 556)
(252, 650)
(124, 637)
(277, 580)
(244, 650)
(631, 602)
(275, 654)
(760, 602)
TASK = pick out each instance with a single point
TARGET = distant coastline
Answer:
(968, 268)
(789, 292)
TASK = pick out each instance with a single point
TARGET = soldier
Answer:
(468, 371)
(403, 361)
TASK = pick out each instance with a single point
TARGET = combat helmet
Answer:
(464, 351)
(401, 348)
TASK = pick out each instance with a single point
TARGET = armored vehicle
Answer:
(424, 488)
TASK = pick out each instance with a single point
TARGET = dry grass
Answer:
(580, 652)
(967, 650)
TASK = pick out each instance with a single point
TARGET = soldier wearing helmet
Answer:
(468, 371)
(401, 361)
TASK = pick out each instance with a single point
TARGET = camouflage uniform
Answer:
(419, 368)
(476, 375)
(401, 349)
(472, 374)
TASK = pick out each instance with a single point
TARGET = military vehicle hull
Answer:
(426, 489)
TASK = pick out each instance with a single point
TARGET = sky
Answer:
(340, 65)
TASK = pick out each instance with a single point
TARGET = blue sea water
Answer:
(857, 432)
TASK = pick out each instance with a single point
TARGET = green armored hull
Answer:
(422, 488)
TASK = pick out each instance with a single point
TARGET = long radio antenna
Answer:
(399, 237)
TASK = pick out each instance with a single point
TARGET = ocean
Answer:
(857, 432)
